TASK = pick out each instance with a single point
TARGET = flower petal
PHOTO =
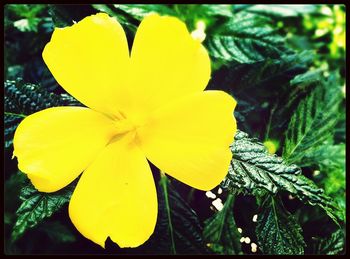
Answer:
(167, 63)
(116, 197)
(90, 60)
(55, 145)
(189, 139)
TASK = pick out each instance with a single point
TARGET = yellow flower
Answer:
(146, 105)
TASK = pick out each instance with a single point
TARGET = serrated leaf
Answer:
(253, 168)
(220, 231)
(285, 105)
(36, 206)
(313, 122)
(333, 245)
(326, 157)
(246, 38)
(181, 233)
(260, 77)
(25, 98)
(277, 231)
(11, 121)
(22, 99)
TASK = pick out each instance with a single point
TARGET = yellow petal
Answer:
(90, 60)
(166, 62)
(116, 197)
(189, 139)
(55, 145)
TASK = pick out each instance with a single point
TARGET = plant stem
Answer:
(164, 184)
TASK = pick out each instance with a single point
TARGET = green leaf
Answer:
(333, 245)
(326, 157)
(220, 231)
(139, 11)
(253, 169)
(28, 17)
(261, 76)
(27, 24)
(11, 121)
(313, 121)
(277, 231)
(164, 184)
(178, 228)
(22, 99)
(240, 80)
(36, 206)
(330, 160)
(282, 11)
(246, 38)
(213, 16)
(25, 98)
(340, 129)
(66, 14)
(287, 102)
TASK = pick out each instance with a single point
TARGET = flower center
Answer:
(124, 128)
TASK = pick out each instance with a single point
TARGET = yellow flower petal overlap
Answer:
(149, 104)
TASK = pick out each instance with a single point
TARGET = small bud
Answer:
(271, 145)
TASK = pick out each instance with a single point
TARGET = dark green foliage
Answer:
(279, 11)
(326, 156)
(313, 122)
(189, 13)
(139, 11)
(298, 88)
(65, 15)
(11, 122)
(246, 38)
(220, 231)
(27, 15)
(36, 206)
(261, 75)
(253, 168)
(277, 230)
(58, 232)
(182, 234)
(22, 99)
(242, 79)
(330, 246)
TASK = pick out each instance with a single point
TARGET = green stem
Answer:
(268, 128)
(164, 184)
(15, 114)
(228, 205)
